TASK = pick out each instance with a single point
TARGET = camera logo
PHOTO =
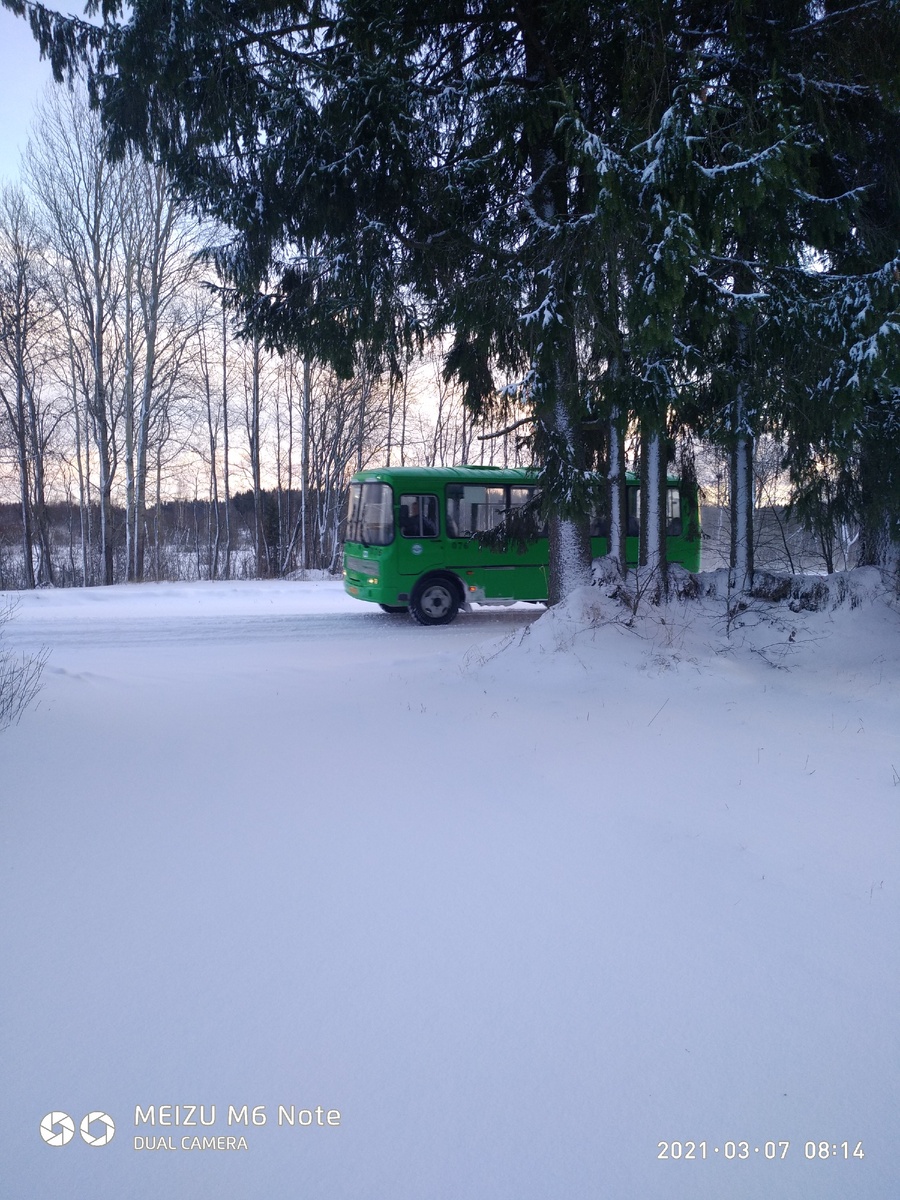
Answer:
(57, 1128)
(107, 1124)
(97, 1129)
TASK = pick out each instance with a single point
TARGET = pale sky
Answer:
(23, 77)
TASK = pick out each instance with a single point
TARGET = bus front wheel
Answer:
(434, 601)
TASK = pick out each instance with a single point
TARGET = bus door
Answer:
(420, 547)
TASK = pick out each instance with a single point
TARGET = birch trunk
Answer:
(304, 468)
(225, 466)
(16, 416)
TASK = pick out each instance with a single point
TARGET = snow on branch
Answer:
(546, 313)
(754, 162)
(828, 88)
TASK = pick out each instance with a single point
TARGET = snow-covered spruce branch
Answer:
(852, 194)
(828, 88)
(545, 314)
(725, 291)
(754, 162)
(486, 437)
(829, 18)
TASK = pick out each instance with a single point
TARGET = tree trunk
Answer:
(84, 500)
(741, 478)
(213, 492)
(741, 444)
(131, 522)
(879, 534)
(259, 537)
(17, 420)
(41, 516)
(570, 536)
(225, 467)
(151, 330)
(653, 509)
(558, 408)
(304, 468)
(616, 502)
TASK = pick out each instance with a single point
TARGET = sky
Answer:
(23, 77)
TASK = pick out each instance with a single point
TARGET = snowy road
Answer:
(359, 627)
(248, 612)
(526, 918)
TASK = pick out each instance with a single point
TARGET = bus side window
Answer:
(493, 510)
(634, 512)
(519, 497)
(599, 524)
(474, 508)
(673, 513)
(418, 516)
(429, 509)
(456, 515)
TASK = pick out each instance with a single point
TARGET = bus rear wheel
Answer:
(394, 609)
(434, 601)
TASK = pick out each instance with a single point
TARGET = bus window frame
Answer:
(501, 513)
(420, 497)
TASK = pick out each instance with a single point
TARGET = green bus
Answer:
(410, 543)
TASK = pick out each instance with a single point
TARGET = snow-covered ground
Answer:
(528, 900)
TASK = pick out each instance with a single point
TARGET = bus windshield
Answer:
(370, 514)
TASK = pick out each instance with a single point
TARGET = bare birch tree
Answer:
(24, 318)
(80, 194)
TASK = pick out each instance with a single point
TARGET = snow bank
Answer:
(862, 585)
(807, 627)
